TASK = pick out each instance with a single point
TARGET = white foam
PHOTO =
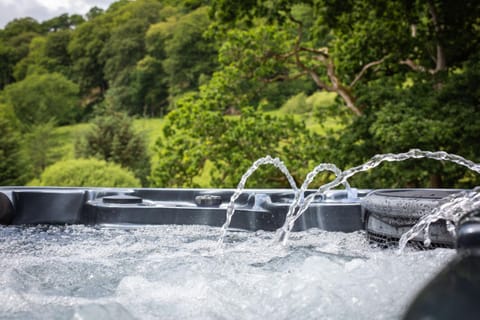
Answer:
(176, 272)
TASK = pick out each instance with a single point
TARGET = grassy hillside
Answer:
(67, 135)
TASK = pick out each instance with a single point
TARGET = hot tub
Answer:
(152, 253)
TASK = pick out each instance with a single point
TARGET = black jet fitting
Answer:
(468, 232)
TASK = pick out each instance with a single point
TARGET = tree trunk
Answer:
(349, 99)
(436, 180)
(441, 59)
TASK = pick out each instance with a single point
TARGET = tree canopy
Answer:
(40, 98)
(392, 75)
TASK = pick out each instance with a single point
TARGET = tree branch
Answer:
(364, 70)
(322, 51)
(284, 77)
(320, 84)
(322, 55)
(416, 67)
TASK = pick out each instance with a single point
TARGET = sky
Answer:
(45, 9)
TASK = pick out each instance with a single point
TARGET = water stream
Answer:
(298, 193)
(300, 204)
(370, 164)
(451, 209)
(241, 185)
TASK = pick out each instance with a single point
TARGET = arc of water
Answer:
(452, 209)
(375, 161)
(298, 193)
(241, 185)
(298, 201)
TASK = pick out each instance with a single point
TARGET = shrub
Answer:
(87, 173)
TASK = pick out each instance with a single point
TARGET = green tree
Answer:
(34, 62)
(56, 51)
(150, 86)
(94, 12)
(39, 149)
(189, 55)
(46, 54)
(86, 173)
(19, 26)
(7, 63)
(112, 138)
(401, 66)
(11, 162)
(84, 48)
(342, 45)
(40, 98)
(198, 137)
(15, 40)
(63, 22)
(281, 41)
(124, 54)
(420, 91)
(419, 116)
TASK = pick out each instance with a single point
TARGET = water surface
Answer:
(176, 272)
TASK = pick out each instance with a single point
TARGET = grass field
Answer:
(67, 135)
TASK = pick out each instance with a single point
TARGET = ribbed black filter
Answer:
(390, 213)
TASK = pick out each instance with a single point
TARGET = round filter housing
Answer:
(389, 213)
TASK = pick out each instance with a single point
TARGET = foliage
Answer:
(19, 26)
(151, 86)
(297, 104)
(112, 138)
(401, 74)
(63, 22)
(402, 66)
(41, 98)
(86, 173)
(419, 116)
(247, 59)
(11, 163)
(39, 149)
(342, 45)
(195, 134)
(46, 54)
(7, 62)
(189, 55)
(84, 48)
(121, 53)
(15, 39)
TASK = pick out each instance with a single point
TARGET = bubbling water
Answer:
(174, 272)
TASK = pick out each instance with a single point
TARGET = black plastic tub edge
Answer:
(255, 209)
